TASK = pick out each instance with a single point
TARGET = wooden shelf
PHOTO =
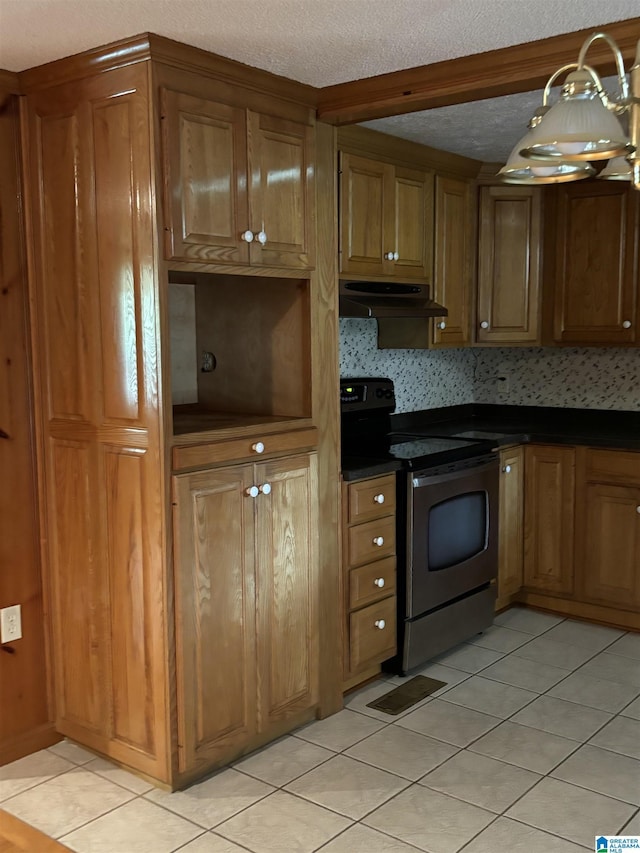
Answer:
(190, 424)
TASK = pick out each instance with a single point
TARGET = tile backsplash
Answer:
(585, 378)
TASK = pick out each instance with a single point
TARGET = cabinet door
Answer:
(366, 211)
(511, 526)
(549, 518)
(509, 265)
(286, 588)
(453, 264)
(205, 165)
(281, 200)
(596, 278)
(413, 224)
(215, 613)
(611, 536)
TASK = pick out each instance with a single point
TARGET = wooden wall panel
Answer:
(114, 129)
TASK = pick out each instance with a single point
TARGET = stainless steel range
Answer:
(447, 520)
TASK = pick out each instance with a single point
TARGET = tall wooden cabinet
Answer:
(144, 146)
(510, 525)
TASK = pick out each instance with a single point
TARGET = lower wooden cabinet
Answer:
(511, 525)
(246, 604)
(549, 518)
(369, 572)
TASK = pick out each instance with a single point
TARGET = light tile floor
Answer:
(534, 744)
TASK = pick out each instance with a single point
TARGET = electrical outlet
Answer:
(10, 624)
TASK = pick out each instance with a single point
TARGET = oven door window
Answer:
(457, 530)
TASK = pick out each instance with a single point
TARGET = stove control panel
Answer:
(366, 394)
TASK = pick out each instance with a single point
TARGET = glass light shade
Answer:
(519, 170)
(578, 127)
(617, 169)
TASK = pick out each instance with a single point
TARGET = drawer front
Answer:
(372, 633)
(613, 466)
(253, 448)
(370, 499)
(371, 583)
(364, 539)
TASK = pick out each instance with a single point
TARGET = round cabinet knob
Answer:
(265, 488)
(252, 492)
(442, 324)
(626, 324)
(388, 256)
(261, 237)
(247, 236)
(378, 540)
(379, 582)
(507, 469)
(380, 624)
(638, 509)
(258, 447)
(379, 499)
(396, 256)
(484, 325)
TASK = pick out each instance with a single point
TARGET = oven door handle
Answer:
(426, 479)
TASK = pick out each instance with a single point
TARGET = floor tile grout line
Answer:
(94, 819)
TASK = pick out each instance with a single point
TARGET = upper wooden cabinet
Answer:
(239, 185)
(454, 259)
(509, 250)
(386, 219)
(596, 274)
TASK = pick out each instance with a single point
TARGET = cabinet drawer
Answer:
(613, 466)
(219, 452)
(370, 642)
(372, 498)
(371, 583)
(363, 538)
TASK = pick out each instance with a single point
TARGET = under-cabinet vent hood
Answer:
(387, 299)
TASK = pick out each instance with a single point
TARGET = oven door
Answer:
(452, 535)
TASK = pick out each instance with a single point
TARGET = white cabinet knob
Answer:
(396, 256)
(507, 469)
(379, 499)
(380, 624)
(252, 491)
(442, 324)
(378, 540)
(258, 447)
(638, 509)
(388, 256)
(261, 237)
(484, 325)
(265, 488)
(379, 582)
(247, 236)
(626, 324)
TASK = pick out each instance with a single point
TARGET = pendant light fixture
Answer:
(582, 126)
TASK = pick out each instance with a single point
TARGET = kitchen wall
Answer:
(589, 378)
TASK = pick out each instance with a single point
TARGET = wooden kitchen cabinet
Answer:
(239, 185)
(386, 219)
(549, 518)
(608, 528)
(246, 604)
(509, 265)
(369, 575)
(511, 525)
(596, 272)
(454, 260)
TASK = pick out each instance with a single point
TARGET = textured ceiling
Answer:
(322, 42)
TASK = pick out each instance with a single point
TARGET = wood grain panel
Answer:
(413, 238)
(511, 525)
(361, 544)
(287, 588)
(613, 466)
(371, 498)
(205, 163)
(66, 313)
(364, 583)
(364, 213)
(115, 182)
(79, 594)
(453, 266)
(611, 546)
(19, 837)
(281, 200)
(215, 453)
(370, 642)
(509, 265)
(549, 518)
(215, 613)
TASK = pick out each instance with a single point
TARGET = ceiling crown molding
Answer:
(507, 71)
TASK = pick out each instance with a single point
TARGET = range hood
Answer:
(387, 299)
